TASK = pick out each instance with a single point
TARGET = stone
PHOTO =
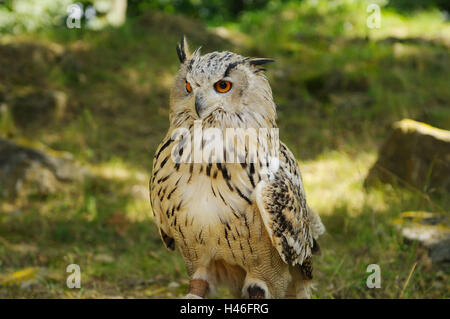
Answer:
(431, 230)
(25, 170)
(415, 154)
(38, 107)
(173, 285)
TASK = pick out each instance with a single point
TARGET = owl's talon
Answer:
(255, 292)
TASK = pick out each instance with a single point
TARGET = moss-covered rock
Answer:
(25, 171)
(415, 154)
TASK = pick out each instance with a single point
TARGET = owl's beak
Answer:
(199, 104)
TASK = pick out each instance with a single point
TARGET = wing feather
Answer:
(287, 218)
(161, 221)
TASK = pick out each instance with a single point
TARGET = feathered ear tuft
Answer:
(259, 61)
(183, 50)
(196, 54)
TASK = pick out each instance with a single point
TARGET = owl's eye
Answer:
(188, 87)
(222, 86)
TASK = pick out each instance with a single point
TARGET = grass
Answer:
(360, 233)
(117, 82)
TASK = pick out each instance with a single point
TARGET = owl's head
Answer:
(221, 88)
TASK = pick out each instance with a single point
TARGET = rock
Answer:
(24, 170)
(22, 63)
(7, 127)
(38, 107)
(429, 229)
(440, 252)
(173, 285)
(415, 154)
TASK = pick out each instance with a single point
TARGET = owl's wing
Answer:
(156, 187)
(291, 225)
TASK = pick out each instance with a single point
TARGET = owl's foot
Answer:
(255, 289)
(198, 287)
(255, 292)
(192, 296)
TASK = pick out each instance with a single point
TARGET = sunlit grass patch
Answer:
(336, 179)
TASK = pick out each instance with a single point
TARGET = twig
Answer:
(407, 280)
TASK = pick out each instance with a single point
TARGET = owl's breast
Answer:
(200, 198)
(213, 193)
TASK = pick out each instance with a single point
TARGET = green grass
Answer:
(117, 82)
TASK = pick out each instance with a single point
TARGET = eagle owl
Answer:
(241, 220)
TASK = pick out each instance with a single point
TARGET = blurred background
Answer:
(363, 97)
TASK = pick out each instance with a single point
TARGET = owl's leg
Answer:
(255, 288)
(291, 292)
(303, 289)
(198, 285)
(300, 285)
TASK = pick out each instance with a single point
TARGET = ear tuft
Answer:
(196, 53)
(183, 49)
(260, 61)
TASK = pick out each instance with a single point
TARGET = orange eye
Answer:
(188, 87)
(222, 86)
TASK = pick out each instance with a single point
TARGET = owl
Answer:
(225, 191)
